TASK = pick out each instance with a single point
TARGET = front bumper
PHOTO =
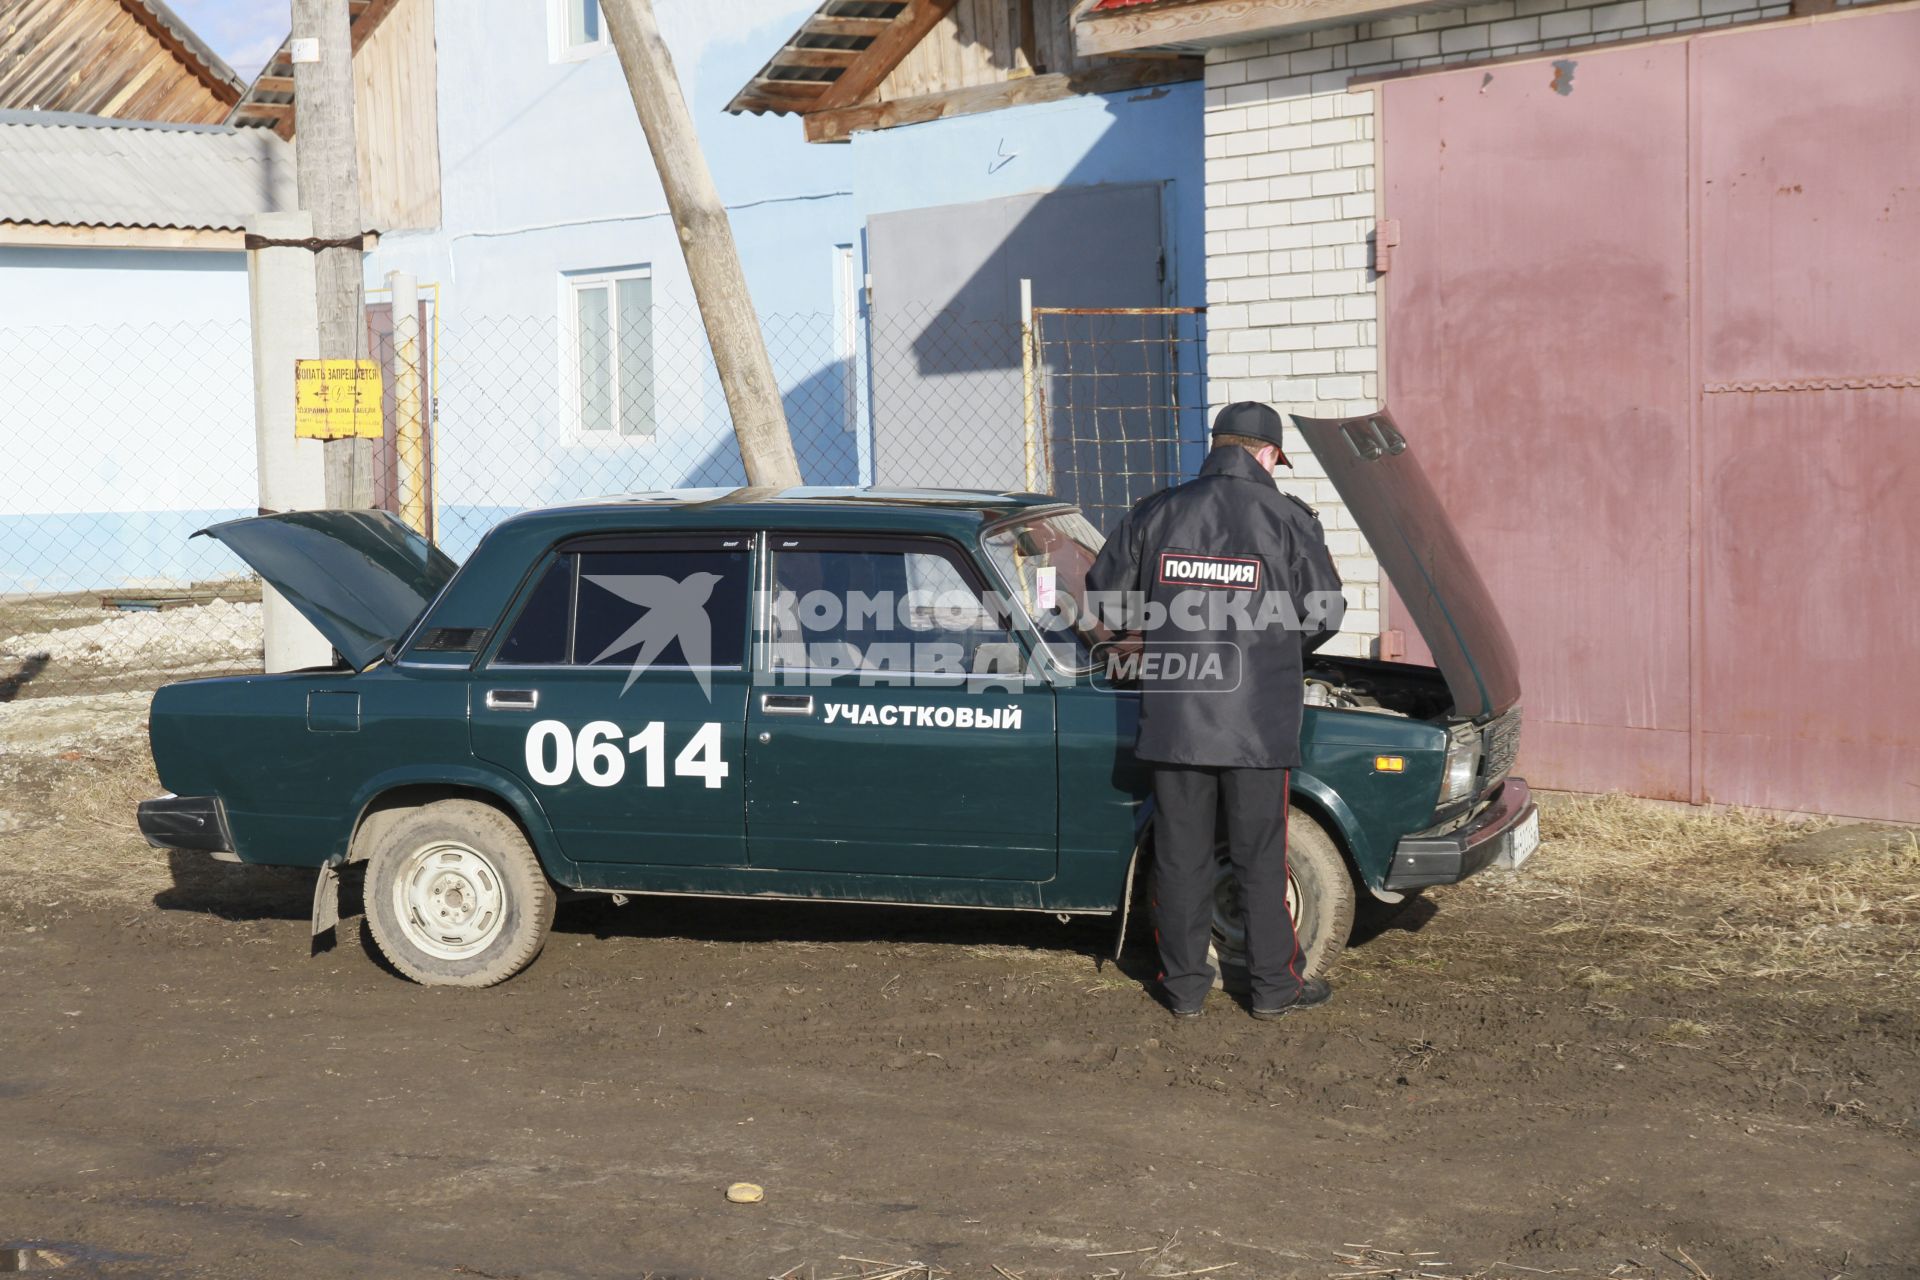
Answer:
(197, 824)
(1421, 860)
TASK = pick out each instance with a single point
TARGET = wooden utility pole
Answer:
(706, 238)
(327, 167)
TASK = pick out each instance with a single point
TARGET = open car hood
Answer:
(362, 578)
(1370, 463)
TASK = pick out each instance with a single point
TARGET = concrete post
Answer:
(292, 472)
(327, 166)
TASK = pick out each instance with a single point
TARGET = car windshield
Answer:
(1046, 562)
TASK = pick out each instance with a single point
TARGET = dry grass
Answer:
(1631, 890)
(1702, 896)
(68, 841)
(71, 838)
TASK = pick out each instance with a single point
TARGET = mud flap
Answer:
(1126, 906)
(326, 906)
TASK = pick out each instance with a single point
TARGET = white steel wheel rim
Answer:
(1230, 911)
(450, 900)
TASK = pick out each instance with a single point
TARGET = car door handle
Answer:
(787, 704)
(513, 699)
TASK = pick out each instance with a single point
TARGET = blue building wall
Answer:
(544, 171)
(128, 400)
(126, 412)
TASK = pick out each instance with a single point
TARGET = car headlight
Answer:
(1463, 764)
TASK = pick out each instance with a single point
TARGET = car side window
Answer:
(887, 607)
(662, 608)
(540, 633)
(625, 602)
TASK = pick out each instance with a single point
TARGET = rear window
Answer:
(666, 607)
(630, 603)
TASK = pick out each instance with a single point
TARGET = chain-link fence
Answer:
(122, 442)
(1119, 402)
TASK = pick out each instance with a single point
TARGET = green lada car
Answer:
(854, 695)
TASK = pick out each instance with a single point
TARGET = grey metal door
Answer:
(945, 317)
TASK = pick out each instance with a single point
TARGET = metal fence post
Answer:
(410, 428)
(1028, 409)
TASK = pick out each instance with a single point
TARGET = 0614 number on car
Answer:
(554, 752)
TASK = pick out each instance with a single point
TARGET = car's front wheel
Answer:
(1320, 898)
(455, 896)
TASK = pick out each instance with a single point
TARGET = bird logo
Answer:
(673, 609)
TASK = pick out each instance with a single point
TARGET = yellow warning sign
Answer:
(336, 399)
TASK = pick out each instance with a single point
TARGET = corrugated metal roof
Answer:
(215, 66)
(58, 169)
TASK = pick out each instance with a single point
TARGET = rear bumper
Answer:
(1419, 861)
(194, 823)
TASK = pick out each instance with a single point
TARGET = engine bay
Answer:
(1382, 688)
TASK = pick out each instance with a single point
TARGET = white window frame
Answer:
(571, 283)
(560, 46)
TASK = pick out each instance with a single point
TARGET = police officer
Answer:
(1226, 564)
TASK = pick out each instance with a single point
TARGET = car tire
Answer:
(455, 896)
(1320, 895)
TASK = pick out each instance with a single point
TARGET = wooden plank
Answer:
(878, 59)
(273, 84)
(1036, 62)
(367, 17)
(792, 57)
(1111, 77)
(34, 236)
(186, 62)
(829, 25)
(395, 113)
(786, 95)
(1219, 22)
(265, 110)
(100, 58)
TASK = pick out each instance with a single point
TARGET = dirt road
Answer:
(1597, 1071)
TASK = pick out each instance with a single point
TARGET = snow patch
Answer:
(216, 632)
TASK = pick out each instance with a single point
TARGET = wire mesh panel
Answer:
(1120, 402)
(121, 442)
(946, 399)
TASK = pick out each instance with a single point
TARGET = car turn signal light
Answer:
(1389, 764)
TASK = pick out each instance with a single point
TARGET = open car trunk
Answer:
(362, 578)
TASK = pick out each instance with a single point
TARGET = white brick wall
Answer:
(1292, 307)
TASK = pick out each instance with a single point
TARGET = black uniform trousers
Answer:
(1188, 799)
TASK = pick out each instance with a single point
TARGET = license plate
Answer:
(1525, 839)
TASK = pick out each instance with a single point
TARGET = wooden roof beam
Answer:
(792, 57)
(1222, 22)
(790, 95)
(827, 25)
(878, 59)
(1108, 77)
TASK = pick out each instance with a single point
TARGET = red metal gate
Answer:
(1654, 312)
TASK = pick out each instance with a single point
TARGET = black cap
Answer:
(1254, 420)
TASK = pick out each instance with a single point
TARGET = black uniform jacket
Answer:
(1225, 548)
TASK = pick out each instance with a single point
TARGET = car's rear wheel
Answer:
(455, 896)
(1320, 898)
